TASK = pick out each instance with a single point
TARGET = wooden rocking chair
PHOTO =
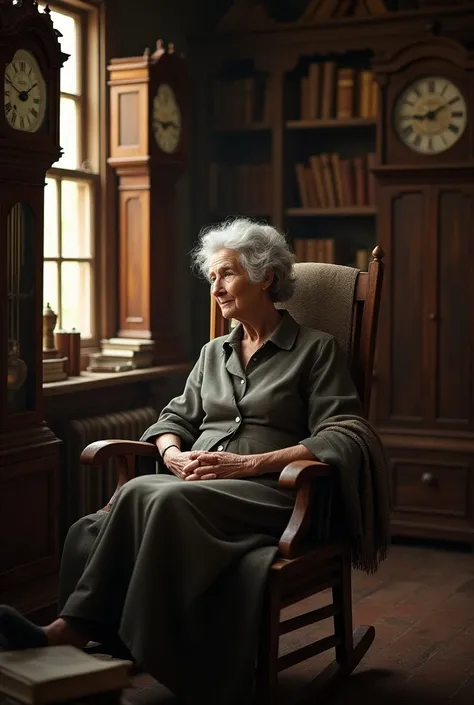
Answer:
(300, 569)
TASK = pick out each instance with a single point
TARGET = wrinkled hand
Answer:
(219, 466)
(176, 461)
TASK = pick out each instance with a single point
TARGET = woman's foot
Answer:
(17, 632)
(60, 632)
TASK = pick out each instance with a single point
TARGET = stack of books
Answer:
(54, 369)
(331, 182)
(122, 354)
(55, 674)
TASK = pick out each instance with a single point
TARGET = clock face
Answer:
(430, 115)
(24, 93)
(166, 119)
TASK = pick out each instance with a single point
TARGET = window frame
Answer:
(93, 143)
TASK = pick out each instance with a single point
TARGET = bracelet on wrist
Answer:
(173, 445)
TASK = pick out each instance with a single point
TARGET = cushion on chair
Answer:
(323, 299)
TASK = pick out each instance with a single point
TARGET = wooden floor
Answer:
(422, 605)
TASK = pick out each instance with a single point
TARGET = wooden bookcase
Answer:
(324, 138)
(430, 458)
(281, 117)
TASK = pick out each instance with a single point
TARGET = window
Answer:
(72, 191)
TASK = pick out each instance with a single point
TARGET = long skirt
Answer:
(177, 569)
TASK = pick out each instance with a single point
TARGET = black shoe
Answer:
(17, 632)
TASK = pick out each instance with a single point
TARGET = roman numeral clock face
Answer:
(24, 93)
(430, 115)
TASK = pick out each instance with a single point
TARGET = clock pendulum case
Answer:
(30, 63)
(149, 110)
(425, 186)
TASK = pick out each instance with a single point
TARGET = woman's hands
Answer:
(205, 465)
(177, 461)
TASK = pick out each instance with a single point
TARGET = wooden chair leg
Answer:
(266, 685)
(352, 647)
(342, 597)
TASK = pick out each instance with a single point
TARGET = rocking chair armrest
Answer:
(125, 452)
(100, 452)
(299, 472)
(299, 475)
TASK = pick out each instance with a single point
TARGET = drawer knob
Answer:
(427, 478)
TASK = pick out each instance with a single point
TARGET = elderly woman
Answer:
(178, 566)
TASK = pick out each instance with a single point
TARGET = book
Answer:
(55, 673)
(128, 343)
(328, 92)
(345, 93)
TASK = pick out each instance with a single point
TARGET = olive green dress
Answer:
(178, 568)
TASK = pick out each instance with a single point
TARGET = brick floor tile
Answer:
(447, 673)
(465, 694)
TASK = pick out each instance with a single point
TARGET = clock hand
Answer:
(12, 85)
(23, 95)
(430, 115)
(167, 123)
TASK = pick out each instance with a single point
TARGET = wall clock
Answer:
(430, 115)
(166, 119)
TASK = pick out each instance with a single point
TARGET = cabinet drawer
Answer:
(430, 487)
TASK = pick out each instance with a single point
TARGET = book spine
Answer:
(345, 94)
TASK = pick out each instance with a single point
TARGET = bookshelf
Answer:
(327, 143)
(288, 134)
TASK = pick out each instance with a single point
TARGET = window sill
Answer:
(102, 380)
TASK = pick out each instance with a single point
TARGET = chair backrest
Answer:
(358, 337)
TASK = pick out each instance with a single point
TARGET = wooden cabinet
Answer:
(30, 504)
(424, 374)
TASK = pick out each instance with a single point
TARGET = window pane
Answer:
(50, 286)
(76, 297)
(68, 134)
(69, 28)
(51, 218)
(75, 219)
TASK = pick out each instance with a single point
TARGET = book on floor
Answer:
(55, 673)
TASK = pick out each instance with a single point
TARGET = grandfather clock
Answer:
(425, 382)
(30, 62)
(149, 106)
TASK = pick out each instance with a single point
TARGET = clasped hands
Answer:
(207, 465)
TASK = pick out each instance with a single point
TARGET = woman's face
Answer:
(236, 295)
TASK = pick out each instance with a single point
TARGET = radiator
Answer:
(87, 488)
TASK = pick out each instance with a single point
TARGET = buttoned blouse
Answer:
(297, 379)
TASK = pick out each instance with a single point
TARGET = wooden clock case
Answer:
(424, 374)
(29, 451)
(147, 179)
